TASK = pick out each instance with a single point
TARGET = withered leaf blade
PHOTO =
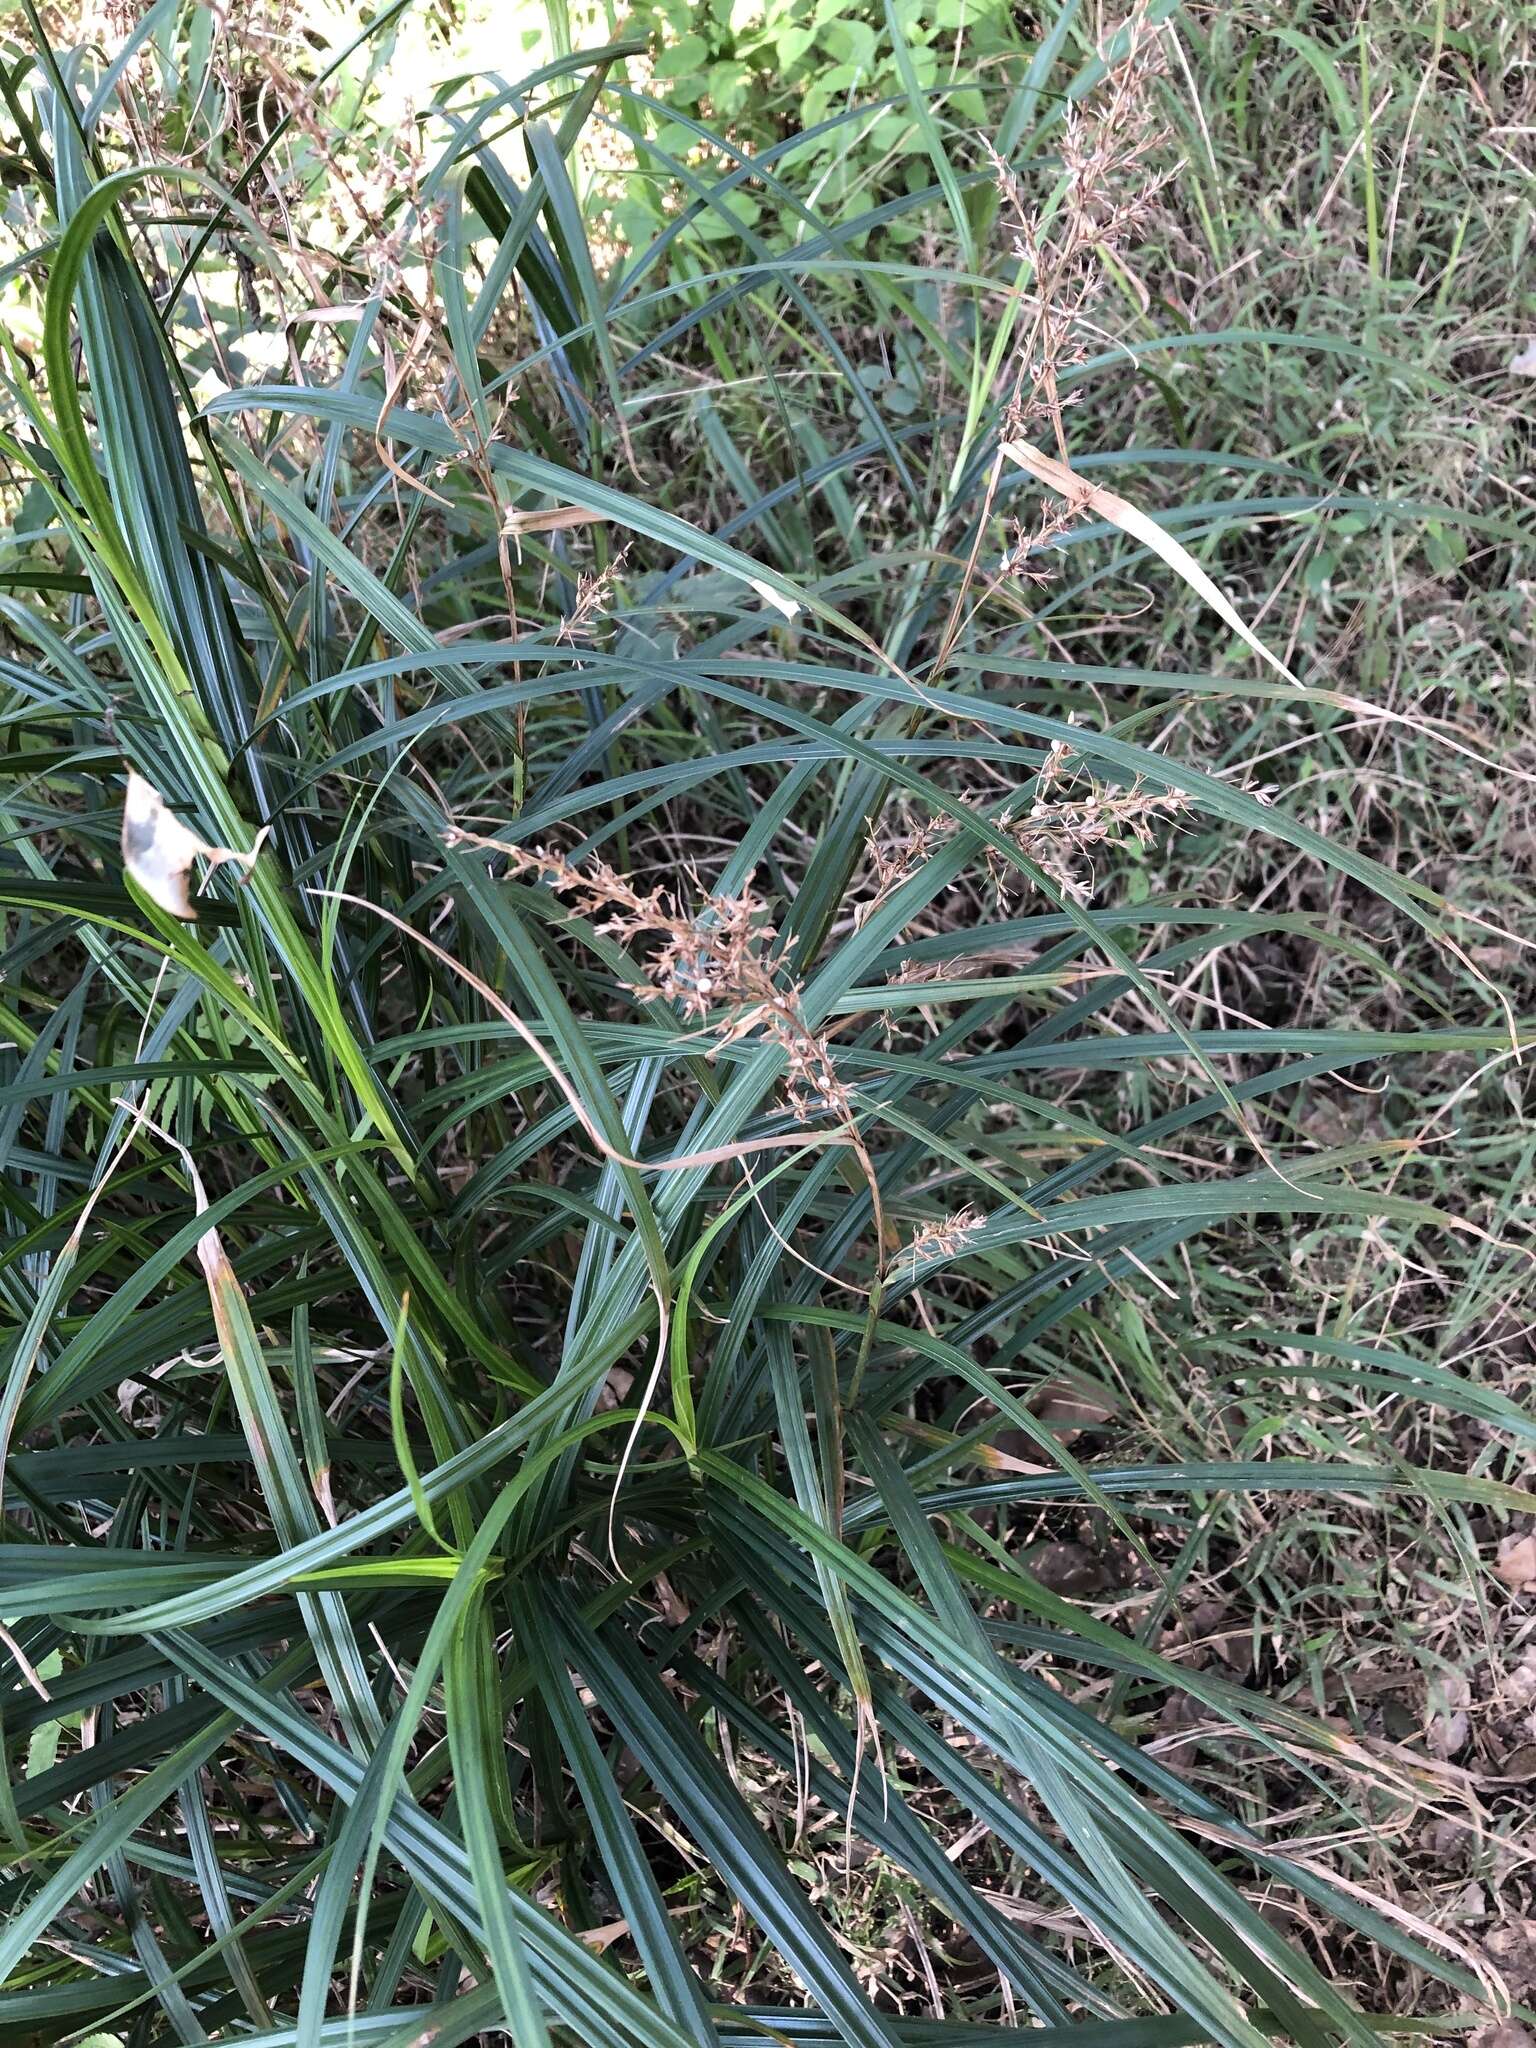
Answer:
(158, 849)
(769, 595)
(1083, 496)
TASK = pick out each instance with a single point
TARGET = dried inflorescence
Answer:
(1108, 199)
(893, 860)
(1064, 818)
(1058, 830)
(594, 592)
(944, 1238)
(715, 965)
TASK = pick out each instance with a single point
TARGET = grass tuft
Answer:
(765, 1174)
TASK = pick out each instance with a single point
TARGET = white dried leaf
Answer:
(1523, 364)
(769, 595)
(158, 849)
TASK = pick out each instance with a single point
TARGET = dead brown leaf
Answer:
(1515, 1565)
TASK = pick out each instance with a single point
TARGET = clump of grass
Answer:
(624, 1444)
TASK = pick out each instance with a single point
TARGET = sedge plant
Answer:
(539, 1293)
